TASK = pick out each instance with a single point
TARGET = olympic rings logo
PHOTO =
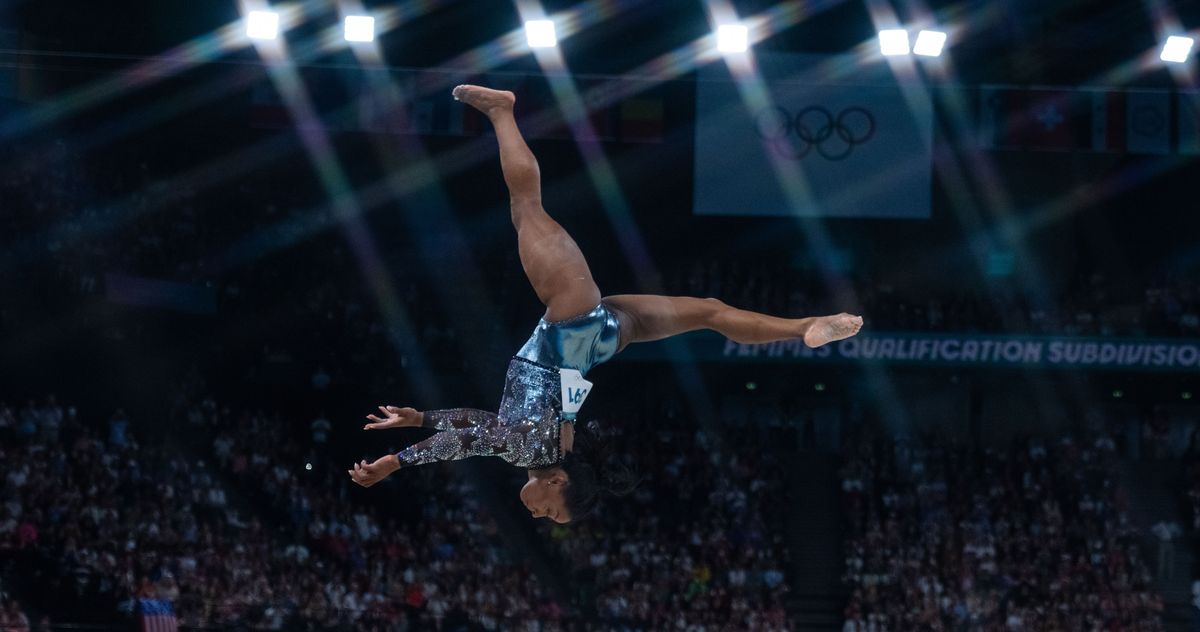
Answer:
(814, 127)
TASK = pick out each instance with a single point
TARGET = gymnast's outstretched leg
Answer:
(553, 262)
(648, 317)
(560, 276)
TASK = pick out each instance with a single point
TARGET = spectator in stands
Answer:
(1028, 538)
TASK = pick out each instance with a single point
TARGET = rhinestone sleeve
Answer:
(452, 418)
(452, 445)
(526, 432)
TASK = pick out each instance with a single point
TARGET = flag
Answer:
(1050, 120)
(1108, 120)
(1188, 117)
(1030, 118)
(157, 615)
(1148, 123)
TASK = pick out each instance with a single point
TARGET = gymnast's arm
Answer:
(451, 418)
(447, 445)
(447, 419)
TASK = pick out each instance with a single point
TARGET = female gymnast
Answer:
(544, 386)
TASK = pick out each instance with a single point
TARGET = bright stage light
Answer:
(893, 42)
(540, 34)
(360, 28)
(929, 43)
(733, 38)
(1176, 49)
(262, 25)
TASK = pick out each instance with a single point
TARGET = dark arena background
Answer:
(230, 229)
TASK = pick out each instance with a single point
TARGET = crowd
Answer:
(114, 520)
(692, 547)
(345, 561)
(1036, 537)
(240, 533)
(12, 617)
(437, 558)
(242, 518)
(120, 521)
(1190, 500)
(700, 544)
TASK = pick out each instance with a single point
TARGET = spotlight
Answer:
(540, 34)
(360, 28)
(1186, 394)
(733, 38)
(262, 25)
(1176, 49)
(1118, 394)
(751, 386)
(893, 42)
(929, 43)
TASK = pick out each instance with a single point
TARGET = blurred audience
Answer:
(259, 531)
(1037, 537)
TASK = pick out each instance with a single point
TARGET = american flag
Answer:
(158, 615)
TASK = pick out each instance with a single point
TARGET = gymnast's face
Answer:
(543, 494)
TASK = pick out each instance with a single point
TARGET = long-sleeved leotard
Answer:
(525, 432)
(452, 418)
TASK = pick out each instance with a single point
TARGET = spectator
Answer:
(1029, 538)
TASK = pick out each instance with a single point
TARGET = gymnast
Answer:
(545, 386)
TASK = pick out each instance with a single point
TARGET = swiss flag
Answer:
(1029, 118)
(1050, 120)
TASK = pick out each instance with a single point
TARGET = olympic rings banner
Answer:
(1040, 352)
(808, 145)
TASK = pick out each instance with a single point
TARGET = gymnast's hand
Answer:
(394, 417)
(367, 474)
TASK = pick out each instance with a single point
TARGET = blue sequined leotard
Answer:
(526, 431)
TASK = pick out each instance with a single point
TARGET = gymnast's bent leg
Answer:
(653, 317)
(553, 262)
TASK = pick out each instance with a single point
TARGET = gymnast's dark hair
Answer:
(594, 472)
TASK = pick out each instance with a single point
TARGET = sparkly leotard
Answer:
(526, 432)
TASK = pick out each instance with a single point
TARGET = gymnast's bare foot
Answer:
(486, 100)
(827, 329)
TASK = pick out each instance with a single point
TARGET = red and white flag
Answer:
(1029, 118)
